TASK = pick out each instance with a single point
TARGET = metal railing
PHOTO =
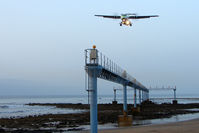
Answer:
(109, 65)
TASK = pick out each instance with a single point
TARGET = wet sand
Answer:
(191, 126)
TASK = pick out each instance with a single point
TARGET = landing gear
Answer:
(130, 24)
(120, 24)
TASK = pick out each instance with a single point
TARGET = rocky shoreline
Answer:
(107, 113)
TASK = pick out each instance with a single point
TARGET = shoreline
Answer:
(173, 127)
(108, 113)
(114, 129)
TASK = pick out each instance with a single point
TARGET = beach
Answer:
(107, 114)
(191, 126)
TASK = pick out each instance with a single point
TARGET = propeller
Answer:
(130, 14)
(124, 14)
(116, 14)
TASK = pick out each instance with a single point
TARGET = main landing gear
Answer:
(127, 25)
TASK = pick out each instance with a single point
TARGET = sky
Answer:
(42, 44)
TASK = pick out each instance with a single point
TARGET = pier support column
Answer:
(124, 100)
(114, 95)
(140, 101)
(135, 107)
(114, 100)
(135, 98)
(144, 95)
(175, 100)
(125, 119)
(92, 84)
(174, 94)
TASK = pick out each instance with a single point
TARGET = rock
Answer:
(2, 130)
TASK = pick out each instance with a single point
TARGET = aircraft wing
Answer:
(141, 17)
(109, 16)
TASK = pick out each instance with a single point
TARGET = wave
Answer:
(4, 107)
(20, 111)
(13, 112)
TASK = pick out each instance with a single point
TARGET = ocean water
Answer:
(15, 106)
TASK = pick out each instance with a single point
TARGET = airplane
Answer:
(125, 17)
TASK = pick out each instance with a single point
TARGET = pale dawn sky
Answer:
(42, 44)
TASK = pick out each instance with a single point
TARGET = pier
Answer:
(99, 66)
(134, 98)
(166, 89)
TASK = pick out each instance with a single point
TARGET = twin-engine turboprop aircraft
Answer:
(125, 17)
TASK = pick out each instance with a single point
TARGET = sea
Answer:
(16, 106)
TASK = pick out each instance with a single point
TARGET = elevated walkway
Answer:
(99, 66)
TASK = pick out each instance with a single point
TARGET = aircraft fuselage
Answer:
(125, 21)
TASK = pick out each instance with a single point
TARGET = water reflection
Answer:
(176, 118)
